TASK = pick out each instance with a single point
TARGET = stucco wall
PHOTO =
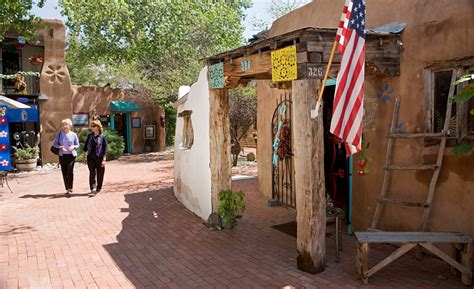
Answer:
(86, 99)
(192, 174)
(436, 30)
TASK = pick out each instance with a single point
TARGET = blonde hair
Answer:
(97, 124)
(67, 121)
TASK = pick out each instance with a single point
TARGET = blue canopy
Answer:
(123, 106)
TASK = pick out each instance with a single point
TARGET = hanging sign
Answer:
(23, 115)
(4, 140)
(216, 75)
(284, 66)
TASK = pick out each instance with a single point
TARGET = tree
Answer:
(154, 46)
(15, 15)
(243, 113)
(275, 10)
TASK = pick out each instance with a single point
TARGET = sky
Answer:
(258, 10)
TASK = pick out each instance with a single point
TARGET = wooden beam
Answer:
(430, 247)
(250, 65)
(219, 134)
(392, 257)
(309, 177)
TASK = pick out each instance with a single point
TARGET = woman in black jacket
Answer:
(95, 147)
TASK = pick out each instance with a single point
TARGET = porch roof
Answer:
(313, 48)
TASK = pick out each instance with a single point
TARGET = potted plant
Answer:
(35, 59)
(25, 157)
(230, 206)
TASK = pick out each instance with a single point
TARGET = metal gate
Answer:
(282, 154)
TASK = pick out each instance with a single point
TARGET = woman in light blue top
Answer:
(67, 143)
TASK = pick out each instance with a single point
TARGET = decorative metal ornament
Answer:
(284, 67)
(216, 75)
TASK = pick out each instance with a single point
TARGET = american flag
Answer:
(346, 120)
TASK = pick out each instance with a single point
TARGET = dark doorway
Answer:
(335, 161)
(121, 128)
(11, 65)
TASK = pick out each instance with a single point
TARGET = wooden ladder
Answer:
(389, 167)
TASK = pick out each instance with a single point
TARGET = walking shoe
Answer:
(68, 193)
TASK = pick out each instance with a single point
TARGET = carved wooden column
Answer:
(309, 177)
(219, 134)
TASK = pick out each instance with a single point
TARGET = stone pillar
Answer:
(309, 177)
(219, 134)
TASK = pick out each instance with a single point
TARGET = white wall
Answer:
(192, 173)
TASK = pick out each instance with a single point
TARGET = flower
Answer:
(35, 59)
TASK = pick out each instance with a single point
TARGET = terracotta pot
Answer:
(26, 165)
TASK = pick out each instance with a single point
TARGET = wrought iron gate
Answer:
(282, 154)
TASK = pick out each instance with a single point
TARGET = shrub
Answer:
(230, 206)
(26, 152)
(115, 143)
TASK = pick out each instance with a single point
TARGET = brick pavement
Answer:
(135, 234)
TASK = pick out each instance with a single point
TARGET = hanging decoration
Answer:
(20, 84)
(24, 73)
(4, 140)
(35, 59)
(363, 162)
(284, 66)
(216, 75)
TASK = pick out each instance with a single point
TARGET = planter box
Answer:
(26, 165)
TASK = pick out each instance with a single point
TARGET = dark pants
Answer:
(95, 170)
(67, 168)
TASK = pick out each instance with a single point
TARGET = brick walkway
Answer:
(135, 234)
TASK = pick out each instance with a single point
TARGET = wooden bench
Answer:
(409, 240)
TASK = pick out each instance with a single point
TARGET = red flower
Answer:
(3, 147)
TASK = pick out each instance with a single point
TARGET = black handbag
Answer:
(54, 150)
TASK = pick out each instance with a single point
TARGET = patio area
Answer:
(135, 234)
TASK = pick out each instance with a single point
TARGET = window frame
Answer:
(461, 67)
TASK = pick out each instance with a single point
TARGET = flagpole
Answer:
(328, 68)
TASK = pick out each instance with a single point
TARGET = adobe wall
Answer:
(192, 174)
(55, 83)
(436, 30)
(86, 99)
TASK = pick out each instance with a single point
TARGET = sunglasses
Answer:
(93, 125)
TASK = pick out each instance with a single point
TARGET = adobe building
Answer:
(414, 51)
(54, 97)
(437, 40)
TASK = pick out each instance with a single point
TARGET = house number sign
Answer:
(315, 71)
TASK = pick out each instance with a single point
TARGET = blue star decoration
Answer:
(399, 127)
(385, 92)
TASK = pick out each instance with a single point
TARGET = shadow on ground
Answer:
(162, 244)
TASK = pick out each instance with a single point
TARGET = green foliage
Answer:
(275, 10)
(465, 94)
(15, 15)
(231, 204)
(115, 143)
(463, 149)
(152, 46)
(26, 152)
(170, 123)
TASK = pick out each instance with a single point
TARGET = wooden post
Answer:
(309, 177)
(466, 261)
(362, 261)
(219, 134)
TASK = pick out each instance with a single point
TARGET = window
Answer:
(188, 132)
(438, 79)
